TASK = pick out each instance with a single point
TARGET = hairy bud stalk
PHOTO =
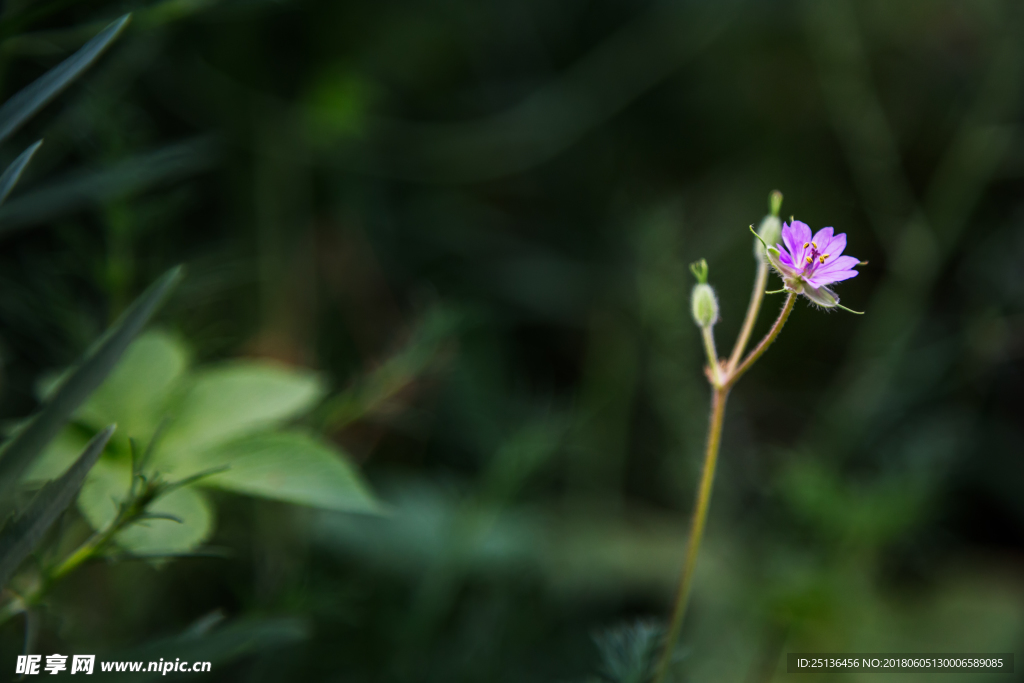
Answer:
(704, 307)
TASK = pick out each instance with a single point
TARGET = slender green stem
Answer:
(720, 392)
(765, 343)
(700, 515)
(709, 346)
(760, 280)
(84, 552)
(127, 515)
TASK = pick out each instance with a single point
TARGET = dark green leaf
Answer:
(24, 104)
(627, 652)
(10, 177)
(19, 453)
(88, 188)
(20, 536)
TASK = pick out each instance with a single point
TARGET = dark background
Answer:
(508, 193)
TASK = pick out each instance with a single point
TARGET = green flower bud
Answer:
(705, 305)
(703, 302)
(770, 231)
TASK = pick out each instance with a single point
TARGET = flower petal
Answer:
(820, 279)
(822, 238)
(835, 264)
(784, 257)
(835, 247)
(796, 235)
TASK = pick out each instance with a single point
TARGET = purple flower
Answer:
(808, 264)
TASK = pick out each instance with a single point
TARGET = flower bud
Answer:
(773, 254)
(705, 305)
(770, 230)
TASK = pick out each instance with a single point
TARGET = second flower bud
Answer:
(703, 302)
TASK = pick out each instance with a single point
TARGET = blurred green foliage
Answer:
(219, 422)
(441, 247)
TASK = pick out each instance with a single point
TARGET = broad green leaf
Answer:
(136, 392)
(163, 536)
(13, 173)
(18, 454)
(289, 466)
(21, 535)
(27, 102)
(230, 401)
(58, 455)
(108, 485)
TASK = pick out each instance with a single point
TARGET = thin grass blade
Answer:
(95, 187)
(34, 97)
(18, 453)
(21, 534)
(13, 173)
